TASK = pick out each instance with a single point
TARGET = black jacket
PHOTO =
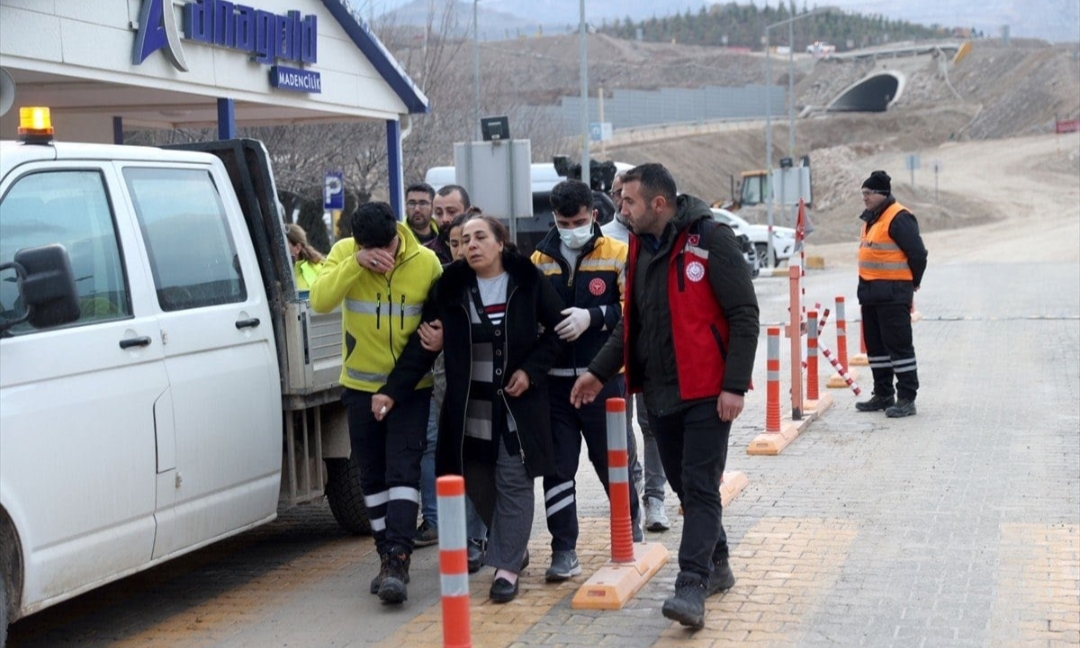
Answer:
(595, 286)
(904, 229)
(532, 311)
(653, 349)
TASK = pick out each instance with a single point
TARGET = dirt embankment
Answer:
(1004, 92)
(1023, 194)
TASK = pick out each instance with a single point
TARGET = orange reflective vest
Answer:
(880, 258)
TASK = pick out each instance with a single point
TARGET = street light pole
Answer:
(768, 117)
(791, 89)
(768, 149)
(476, 70)
(584, 98)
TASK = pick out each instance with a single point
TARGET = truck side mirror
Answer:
(46, 285)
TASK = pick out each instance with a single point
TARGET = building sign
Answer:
(287, 78)
(267, 36)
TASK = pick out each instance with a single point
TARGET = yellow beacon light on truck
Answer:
(35, 125)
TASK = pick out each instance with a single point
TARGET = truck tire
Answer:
(345, 496)
(765, 260)
(3, 611)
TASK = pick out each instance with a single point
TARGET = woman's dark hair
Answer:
(498, 230)
(459, 220)
(374, 225)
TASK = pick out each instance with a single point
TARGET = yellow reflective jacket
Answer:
(305, 273)
(379, 312)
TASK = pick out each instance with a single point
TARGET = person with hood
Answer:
(588, 271)
(382, 277)
(498, 319)
(687, 339)
(892, 259)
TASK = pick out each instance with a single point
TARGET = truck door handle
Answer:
(248, 323)
(127, 343)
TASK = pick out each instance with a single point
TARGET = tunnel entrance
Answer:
(872, 94)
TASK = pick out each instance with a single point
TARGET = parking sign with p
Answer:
(334, 191)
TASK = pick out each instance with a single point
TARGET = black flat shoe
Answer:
(502, 591)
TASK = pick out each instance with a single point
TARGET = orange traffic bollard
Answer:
(453, 561)
(811, 356)
(840, 379)
(622, 536)
(860, 359)
(841, 333)
(772, 390)
(631, 565)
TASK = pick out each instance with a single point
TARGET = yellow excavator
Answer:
(753, 188)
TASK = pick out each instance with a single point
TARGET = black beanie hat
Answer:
(879, 181)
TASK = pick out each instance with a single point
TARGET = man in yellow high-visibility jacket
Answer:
(892, 259)
(382, 277)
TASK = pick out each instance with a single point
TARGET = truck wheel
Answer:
(345, 496)
(3, 611)
(764, 259)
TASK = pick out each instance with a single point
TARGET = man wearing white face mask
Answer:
(587, 269)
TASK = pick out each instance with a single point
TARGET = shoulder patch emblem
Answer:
(693, 240)
(695, 271)
(598, 286)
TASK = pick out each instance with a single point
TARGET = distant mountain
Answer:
(1052, 20)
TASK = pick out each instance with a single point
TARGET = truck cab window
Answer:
(184, 224)
(70, 208)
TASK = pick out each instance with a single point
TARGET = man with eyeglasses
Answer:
(892, 259)
(419, 204)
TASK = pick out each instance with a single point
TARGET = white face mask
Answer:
(576, 238)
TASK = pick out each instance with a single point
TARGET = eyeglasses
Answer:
(418, 203)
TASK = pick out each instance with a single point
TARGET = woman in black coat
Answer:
(498, 317)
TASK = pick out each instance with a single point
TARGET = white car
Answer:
(783, 237)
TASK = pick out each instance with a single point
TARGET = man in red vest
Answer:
(892, 260)
(687, 339)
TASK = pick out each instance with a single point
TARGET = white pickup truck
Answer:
(783, 237)
(162, 386)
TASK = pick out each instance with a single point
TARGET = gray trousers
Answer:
(503, 496)
(655, 479)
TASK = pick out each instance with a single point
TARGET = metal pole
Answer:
(513, 211)
(600, 110)
(584, 98)
(791, 90)
(768, 149)
(476, 70)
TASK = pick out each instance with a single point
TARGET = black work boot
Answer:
(688, 605)
(376, 582)
(721, 579)
(903, 407)
(393, 588)
(876, 403)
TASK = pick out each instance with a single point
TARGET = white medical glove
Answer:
(577, 322)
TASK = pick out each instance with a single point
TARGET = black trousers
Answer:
(569, 425)
(693, 448)
(889, 350)
(388, 455)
